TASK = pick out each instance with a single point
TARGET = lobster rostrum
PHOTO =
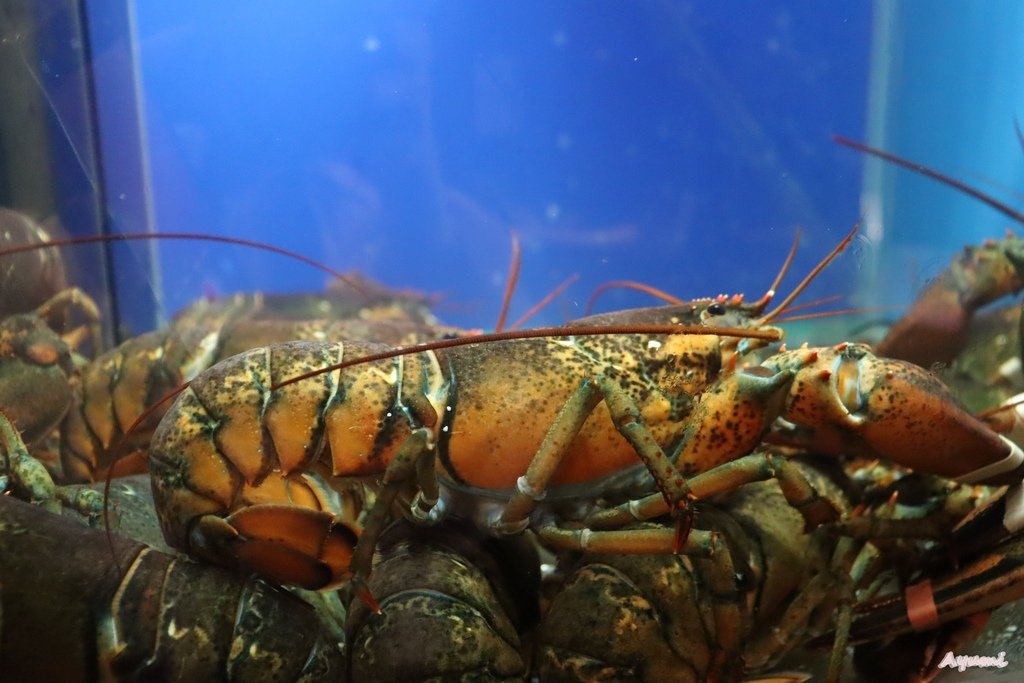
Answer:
(539, 430)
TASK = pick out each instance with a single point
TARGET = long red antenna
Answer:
(763, 302)
(934, 175)
(198, 236)
(767, 334)
(634, 285)
(510, 282)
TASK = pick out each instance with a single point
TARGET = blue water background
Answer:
(679, 144)
(947, 91)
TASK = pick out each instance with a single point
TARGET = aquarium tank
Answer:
(219, 177)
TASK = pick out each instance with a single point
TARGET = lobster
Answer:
(572, 416)
(452, 606)
(36, 364)
(165, 618)
(936, 328)
(769, 588)
(99, 400)
(27, 280)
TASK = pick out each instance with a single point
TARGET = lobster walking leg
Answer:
(23, 474)
(665, 617)
(28, 478)
(58, 307)
(799, 492)
(626, 416)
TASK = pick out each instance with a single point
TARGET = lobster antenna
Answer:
(544, 302)
(768, 335)
(829, 314)
(239, 241)
(510, 282)
(634, 285)
(936, 175)
(838, 249)
(759, 306)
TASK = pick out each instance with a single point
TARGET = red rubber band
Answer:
(921, 610)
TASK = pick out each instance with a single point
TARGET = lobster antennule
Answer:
(512, 280)
(544, 302)
(634, 285)
(838, 249)
(763, 302)
(757, 308)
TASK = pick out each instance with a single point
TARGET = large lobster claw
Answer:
(935, 328)
(845, 398)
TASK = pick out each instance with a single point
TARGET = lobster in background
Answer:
(164, 618)
(42, 383)
(936, 328)
(27, 279)
(452, 604)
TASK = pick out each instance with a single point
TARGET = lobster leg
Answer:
(58, 307)
(28, 478)
(23, 473)
(828, 596)
(729, 476)
(532, 486)
(675, 491)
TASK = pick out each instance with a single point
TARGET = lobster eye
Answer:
(717, 308)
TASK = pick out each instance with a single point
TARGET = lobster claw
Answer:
(935, 328)
(976, 588)
(849, 399)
